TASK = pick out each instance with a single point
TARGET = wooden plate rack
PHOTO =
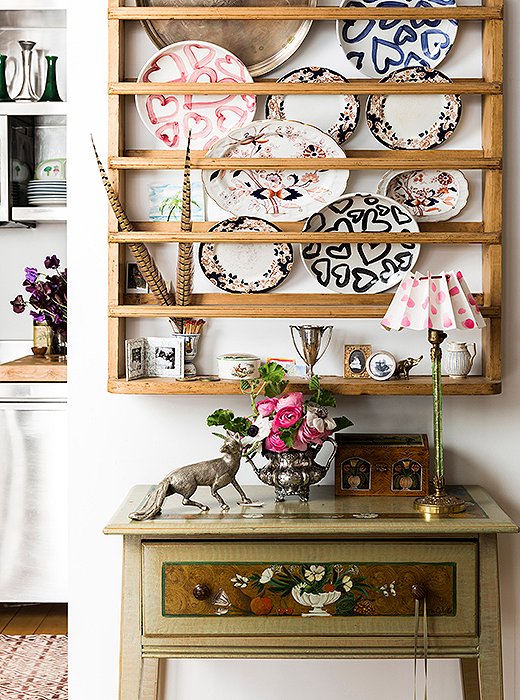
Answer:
(487, 233)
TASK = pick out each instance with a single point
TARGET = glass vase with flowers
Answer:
(289, 429)
(48, 302)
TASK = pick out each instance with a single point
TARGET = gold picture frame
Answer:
(355, 361)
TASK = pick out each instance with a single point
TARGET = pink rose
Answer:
(274, 442)
(294, 399)
(267, 407)
(307, 435)
(286, 417)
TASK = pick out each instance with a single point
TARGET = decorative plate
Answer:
(261, 45)
(412, 121)
(430, 195)
(360, 268)
(280, 195)
(209, 117)
(346, 116)
(376, 48)
(246, 267)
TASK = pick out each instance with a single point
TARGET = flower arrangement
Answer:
(281, 422)
(48, 295)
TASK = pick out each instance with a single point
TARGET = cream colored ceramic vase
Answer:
(458, 360)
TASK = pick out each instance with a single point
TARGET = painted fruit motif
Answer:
(354, 481)
(405, 482)
(261, 605)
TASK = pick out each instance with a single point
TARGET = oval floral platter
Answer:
(246, 267)
(261, 45)
(209, 117)
(360, 268)
(279, 195)
(376, 48)
(412, 121)
(430, 195)
(346, 116)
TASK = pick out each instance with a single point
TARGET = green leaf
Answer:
(238, 425)
(222, 416)
(272, 390)
(272, 372)
(223, 437)
(326, 398)
(314, 383)
(245, 385)
(341, 423)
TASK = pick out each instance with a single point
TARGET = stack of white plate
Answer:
(47, 194)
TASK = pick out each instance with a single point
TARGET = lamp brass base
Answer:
(440, 503)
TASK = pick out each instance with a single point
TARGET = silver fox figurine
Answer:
(215, 473)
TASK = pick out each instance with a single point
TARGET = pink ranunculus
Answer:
(294, 399)
(286, 417)
(309, 436)
(274, 442)
(267, 407)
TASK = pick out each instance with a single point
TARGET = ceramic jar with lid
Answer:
(238, 366)
(458, 360)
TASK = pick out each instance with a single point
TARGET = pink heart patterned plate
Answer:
(209, 117)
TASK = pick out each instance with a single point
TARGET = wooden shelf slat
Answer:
(303, 12)
(355, 160)
(276, 306)
(415, 386)
(470, 86)
(459, 233)
(33, 369)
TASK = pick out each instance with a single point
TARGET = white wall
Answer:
(118, 441)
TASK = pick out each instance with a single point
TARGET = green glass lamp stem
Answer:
(4, 93)
(436, 355)
(50, 93)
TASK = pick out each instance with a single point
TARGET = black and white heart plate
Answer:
(360, 268)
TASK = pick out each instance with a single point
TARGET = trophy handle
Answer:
(330, 329)
(293, 328)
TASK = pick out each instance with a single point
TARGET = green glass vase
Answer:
(50, 93)
(4, 93)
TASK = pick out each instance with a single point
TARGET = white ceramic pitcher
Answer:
(458, 360)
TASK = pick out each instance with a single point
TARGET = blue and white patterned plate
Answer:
(379, 47)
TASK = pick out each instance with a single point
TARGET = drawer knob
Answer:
(418, 591)
(201, 591)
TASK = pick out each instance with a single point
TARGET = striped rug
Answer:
(33, 667)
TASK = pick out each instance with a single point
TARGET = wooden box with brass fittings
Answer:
(382, 465)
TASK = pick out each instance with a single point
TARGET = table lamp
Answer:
(436, 303)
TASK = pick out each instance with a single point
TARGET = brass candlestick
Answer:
(439, 502)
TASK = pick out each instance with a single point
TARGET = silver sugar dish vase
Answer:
(311, 338)
(292, 473)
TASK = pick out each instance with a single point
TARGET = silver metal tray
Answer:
(261, 45)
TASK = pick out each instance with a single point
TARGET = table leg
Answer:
(490, 656)
(469, 675)
(149, 679)
(130, 664)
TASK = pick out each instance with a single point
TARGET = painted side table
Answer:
(334, 578)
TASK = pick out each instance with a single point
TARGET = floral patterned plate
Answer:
(376, 48)
(279, 195)
(360, 268)
(430, 195)
(209, 117)
(346, 113)
(246, 267)
(413, 121)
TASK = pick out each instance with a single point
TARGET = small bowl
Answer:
(238, 366)
(39, 352)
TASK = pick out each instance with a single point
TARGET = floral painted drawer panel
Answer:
(284, 588)
(306, 589)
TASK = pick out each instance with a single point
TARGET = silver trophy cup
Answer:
(311, 338)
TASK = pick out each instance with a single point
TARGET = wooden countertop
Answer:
(33, 369)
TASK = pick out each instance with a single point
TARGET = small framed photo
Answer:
(381, 365)
(154, 357)
(356, 357)
(135, 282)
